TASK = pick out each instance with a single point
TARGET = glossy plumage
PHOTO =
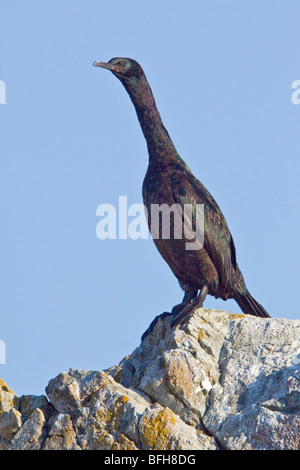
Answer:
(212, 269)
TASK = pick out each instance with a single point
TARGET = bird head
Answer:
(122, 67)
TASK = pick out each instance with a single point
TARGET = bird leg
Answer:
(189, 308)
(188, 297)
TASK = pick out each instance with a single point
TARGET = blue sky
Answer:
(221, 73)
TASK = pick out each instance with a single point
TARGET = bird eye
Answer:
(118, 62)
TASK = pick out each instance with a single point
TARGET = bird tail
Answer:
(250, 306)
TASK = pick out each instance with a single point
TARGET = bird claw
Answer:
(182, 315)
(178, 308)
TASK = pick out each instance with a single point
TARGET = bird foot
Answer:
(189, 308)
(178, 308)
(183, 314)
(153, 323)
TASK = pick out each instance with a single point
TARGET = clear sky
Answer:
(221, 73)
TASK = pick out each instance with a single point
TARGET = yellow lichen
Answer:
(201, 334)
(156, 430)
(106, 424)
(110, 418)
(123, 443)
(5, 388)
(8, 398)
(234, 316)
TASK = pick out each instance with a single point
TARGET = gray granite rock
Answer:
(220, 381)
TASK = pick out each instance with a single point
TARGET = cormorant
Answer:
(211, 269)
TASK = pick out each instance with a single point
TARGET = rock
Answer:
(61, 434)
(220, 381)
(32, 434)
(63, 393)
(258, 395)
(8, 398)
(178, 368)
(28, 403)
(161, 429)
(10, 422)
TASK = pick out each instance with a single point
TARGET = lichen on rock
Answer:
(220, 381)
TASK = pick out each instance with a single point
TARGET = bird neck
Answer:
(160, 146)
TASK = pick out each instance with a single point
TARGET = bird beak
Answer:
(106, 65)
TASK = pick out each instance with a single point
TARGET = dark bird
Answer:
(212, 268)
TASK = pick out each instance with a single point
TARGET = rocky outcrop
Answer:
(220, 381)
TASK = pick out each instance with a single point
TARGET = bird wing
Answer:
(218, 242)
